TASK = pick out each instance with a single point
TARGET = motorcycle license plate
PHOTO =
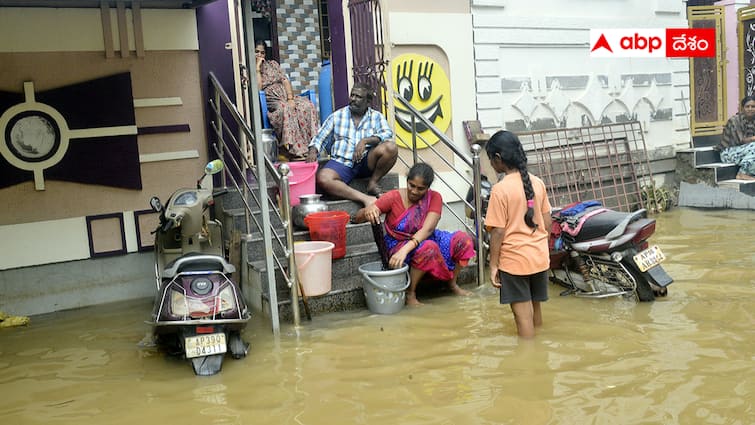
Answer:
(205, 345)
(649, 258)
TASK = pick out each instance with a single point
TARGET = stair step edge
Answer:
(738, 182)
(699, 149)
(714, 165)
(351, 251)
(300, 233)
(287, 301)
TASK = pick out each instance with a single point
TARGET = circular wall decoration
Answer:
(37, 133)
(35, 136)
(32, 136)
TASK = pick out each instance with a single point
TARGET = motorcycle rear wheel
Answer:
(644, 290)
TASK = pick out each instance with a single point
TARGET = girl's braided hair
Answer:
(509, 149)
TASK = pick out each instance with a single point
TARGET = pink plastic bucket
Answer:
(314, 262)
(301, 179)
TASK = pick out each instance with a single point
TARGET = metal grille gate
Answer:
(368, 48)
(608, 163)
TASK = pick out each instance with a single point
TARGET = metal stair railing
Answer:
(473, 162)
(228, 148)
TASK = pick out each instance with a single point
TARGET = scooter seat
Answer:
(197, 262)
(599, 225)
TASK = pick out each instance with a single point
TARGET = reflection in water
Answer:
(683, 359)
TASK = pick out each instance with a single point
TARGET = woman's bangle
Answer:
(416, 242)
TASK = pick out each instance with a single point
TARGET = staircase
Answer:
(707, 182)
(346, 293)
(244, 224)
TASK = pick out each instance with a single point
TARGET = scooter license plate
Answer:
(649, 258)
(205, 345)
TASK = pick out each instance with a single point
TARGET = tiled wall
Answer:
(299, 42)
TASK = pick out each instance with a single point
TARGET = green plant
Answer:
(656, 199)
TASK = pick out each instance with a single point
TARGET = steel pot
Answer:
(307, 204)
(270, 144)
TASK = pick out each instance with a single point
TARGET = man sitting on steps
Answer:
(361, 147)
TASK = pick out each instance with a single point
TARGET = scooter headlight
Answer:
(201, 285)
(227, 300)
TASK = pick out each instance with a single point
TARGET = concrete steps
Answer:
(705, 181)
(346, 281)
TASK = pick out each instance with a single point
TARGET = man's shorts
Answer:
(347, 174)
(516, 289)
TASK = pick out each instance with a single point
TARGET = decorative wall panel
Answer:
(707, 94)
(746, 31)
(299, 42)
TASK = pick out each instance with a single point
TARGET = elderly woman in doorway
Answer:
(293, 118)
(410, 234)
(737, 145)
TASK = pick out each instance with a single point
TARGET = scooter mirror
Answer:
(155, 203)
(214, 167)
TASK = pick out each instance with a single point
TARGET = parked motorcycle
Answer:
(199, 311)
(597, 252)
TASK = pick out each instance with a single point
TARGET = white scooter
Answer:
(199, 311)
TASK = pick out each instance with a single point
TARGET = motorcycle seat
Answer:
(599, 225)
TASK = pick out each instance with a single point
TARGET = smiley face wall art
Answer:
(423, 83)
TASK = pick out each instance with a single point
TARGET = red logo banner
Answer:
(653, 42)
(690, 42)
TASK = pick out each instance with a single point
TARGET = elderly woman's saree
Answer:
(734, 150)
(295, 124)
(438, 253)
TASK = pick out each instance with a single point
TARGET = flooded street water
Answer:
(684, 359)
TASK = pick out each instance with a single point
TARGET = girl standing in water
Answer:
(518, 220)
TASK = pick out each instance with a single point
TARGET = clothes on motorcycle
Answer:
(578, 208)
(557, 243)
(574, 224)
(573, 216)
(568, 222)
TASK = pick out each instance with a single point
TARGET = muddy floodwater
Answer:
(685, 359)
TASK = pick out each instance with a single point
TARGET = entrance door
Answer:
(707, 78)
(746, 33)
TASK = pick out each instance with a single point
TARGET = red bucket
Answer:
(329, 226)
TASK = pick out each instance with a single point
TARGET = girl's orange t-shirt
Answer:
(523, 252)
